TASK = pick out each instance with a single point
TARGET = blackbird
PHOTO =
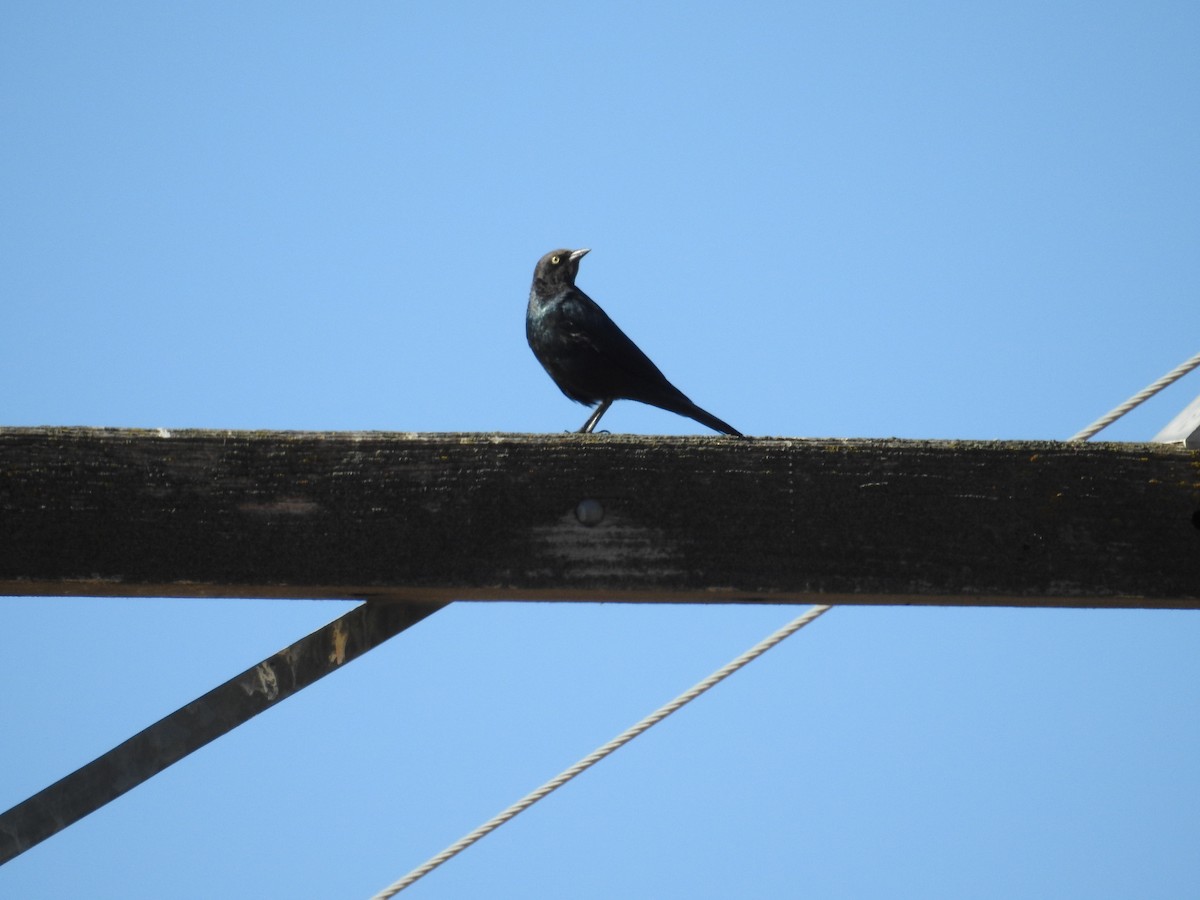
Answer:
(590, 359)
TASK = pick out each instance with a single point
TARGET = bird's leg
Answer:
(595, 417)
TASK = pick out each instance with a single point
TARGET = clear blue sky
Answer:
(840, 219)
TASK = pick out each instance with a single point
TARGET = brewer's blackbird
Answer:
(588, 356)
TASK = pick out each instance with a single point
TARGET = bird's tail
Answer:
(683, 406)
(707, 418)
(672, 399)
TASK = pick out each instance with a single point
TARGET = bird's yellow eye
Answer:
(556, 260)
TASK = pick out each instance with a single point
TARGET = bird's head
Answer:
(558, 267)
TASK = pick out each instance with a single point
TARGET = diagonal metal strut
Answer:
(216, 713)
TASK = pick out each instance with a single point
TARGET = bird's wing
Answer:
(628, 371)
(590, 326)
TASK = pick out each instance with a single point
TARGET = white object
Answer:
(1184, 428)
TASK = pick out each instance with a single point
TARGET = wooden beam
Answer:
(597, 517)
(187, 729)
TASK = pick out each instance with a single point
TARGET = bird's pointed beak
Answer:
(577, 255)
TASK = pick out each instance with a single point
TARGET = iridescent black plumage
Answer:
(588, 356)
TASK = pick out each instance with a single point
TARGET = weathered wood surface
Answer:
(498, 516)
